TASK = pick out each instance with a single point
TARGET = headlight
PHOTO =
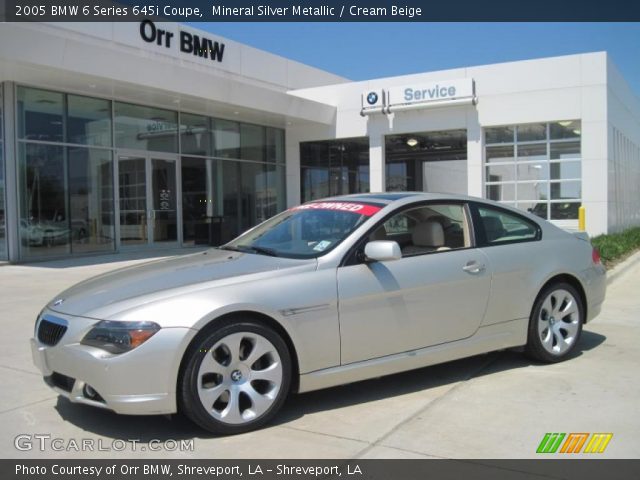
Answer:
(119, 337)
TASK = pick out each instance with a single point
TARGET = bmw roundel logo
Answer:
(372, 98)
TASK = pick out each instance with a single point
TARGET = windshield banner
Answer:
(359, 208)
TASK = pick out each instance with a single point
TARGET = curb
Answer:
(622, 268)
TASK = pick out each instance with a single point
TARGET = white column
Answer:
(292, 151)
(475, 145)
(12, 216)
(377, 171)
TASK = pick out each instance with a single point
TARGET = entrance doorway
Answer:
(427, 161)
(147, 200)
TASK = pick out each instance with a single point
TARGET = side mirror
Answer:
(382, 250)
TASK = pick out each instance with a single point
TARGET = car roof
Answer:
(387, 198)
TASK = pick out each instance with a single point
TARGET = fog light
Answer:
(91, 394)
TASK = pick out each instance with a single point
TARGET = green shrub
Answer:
(616, 246)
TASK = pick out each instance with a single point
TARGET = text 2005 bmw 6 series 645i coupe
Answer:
(326, 293)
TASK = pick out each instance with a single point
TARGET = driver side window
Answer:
(427, 229)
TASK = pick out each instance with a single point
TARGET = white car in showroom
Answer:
(326, 293)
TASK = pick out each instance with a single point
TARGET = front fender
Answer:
(304, 304)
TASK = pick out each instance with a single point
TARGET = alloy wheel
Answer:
(559, 322)
(239, 378)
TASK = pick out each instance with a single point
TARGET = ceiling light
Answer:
(412, 142)
(565, 123)
(576, 131)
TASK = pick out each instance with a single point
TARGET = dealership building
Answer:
(122, 136)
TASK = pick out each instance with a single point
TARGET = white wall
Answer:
(113, 61)
(623, 152)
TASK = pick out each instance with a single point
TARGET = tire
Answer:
(555, 324)
(236, 378)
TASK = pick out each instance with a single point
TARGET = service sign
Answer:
(431, 92)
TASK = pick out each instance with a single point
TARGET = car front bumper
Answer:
(139, 382)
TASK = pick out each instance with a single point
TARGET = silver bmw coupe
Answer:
(323, 294)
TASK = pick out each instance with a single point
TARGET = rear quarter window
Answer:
(499, 226)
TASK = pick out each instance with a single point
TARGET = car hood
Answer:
(149, 279)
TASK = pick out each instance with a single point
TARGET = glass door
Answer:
(147, 201)
(132, 190)
(163, 218)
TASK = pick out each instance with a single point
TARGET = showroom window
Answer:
(40, 115)
(226, 139)
(66, 205)
(146, 128)
(44, 218)
(65, 171)
(232, 174)
(274, 149)
(195, 134)
(91, 212)
(334, 167)
(536, 167)
(239, 186)
(88, 121)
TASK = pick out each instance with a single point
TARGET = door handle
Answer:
(473, 267)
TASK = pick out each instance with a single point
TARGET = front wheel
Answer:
(236, 378)
(555, 324)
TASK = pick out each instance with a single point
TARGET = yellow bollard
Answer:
(581, 218)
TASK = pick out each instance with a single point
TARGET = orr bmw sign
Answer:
(410, 97)
(187, 42)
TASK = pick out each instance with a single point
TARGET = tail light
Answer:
(595, 256)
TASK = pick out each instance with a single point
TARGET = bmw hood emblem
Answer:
(372, 98)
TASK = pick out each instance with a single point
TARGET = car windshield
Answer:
(306, 231)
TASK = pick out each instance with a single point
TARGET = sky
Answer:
(361, 51)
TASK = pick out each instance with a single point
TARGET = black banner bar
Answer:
(318, 11)
(578, 469)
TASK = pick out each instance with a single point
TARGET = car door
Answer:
(512, 244)
(434, 294)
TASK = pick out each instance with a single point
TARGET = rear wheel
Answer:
(555, 324)
(236, 378)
